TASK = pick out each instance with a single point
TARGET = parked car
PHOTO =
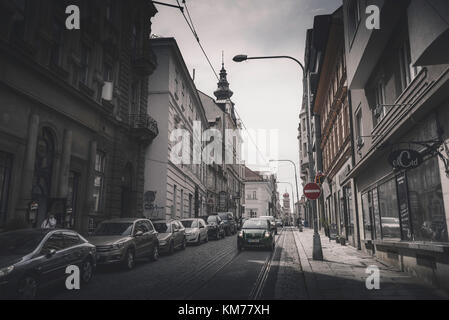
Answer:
(256, 233)
(272, 222)
(171, 235)
(33, 259)
(196, 230)
(230, 225)
(279, 223)
(215, 227)
(122, 241)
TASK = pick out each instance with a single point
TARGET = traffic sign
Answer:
(312, 191)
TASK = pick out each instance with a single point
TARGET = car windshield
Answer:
(190, 223)
(19, 243)
(162, 227)
(114, 229)
(255, 224)
(212, 219)
(223, 216)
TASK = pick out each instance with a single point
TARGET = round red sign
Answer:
(312, 191)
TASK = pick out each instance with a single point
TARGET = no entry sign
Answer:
(312, 191)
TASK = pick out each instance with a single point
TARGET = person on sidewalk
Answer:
(50, 222)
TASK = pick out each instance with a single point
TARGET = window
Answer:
(359, 129)
(85, 60)
(19, 20)
(426, 202)
(55, 242)
(175, 195)
(109, 13)
(367, 219)
(99, 181)
(354, 17)
(108, 73)
(252, 213)
(254, 195)
(389, 213)
(182, 203)
(71, 240)
(5, 177)
(56, 47)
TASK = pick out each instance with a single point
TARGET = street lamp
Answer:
(317, 249)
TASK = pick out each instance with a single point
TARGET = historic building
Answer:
(175, 187)
(260, 190)
(73, 111)
(398, 80)
(226, 189)
(332, 107)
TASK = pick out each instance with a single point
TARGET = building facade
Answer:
(332, 106)
(259, 189)
(226, 175)
(175, 172)
(398, 80)
(73, 131)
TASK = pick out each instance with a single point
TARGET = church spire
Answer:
(223, 92)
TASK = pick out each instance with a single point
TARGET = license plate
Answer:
(253, 240)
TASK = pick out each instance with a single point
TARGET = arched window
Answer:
(43, 169)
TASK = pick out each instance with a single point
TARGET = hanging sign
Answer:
(405, 159)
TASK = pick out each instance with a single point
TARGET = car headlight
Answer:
(5, 271)
(119, 245)
(241, 234)
(267, 234)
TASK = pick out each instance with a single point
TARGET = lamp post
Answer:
(317, 249)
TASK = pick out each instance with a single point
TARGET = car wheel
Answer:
(207, 238)
(155, 254)
(87, 271)
(27, 288)
(129, 260)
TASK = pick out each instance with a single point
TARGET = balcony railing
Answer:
(143, 127)
(144, 61)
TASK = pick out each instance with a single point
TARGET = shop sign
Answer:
(405, 159)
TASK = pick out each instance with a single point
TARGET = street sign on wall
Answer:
(312, 191)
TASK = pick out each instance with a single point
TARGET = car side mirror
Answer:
(138, 234)
(50, 253)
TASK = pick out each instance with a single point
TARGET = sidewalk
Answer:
(342, 274)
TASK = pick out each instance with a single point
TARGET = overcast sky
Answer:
(267, 93)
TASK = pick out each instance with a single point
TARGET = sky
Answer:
(267, 93)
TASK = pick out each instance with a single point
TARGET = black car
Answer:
(215, 227)
(32, 259)
(229, 222)
(256, 233)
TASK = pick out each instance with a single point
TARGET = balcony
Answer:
(143, 61)
(143, 127)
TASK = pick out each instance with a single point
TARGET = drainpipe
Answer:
(351, 129)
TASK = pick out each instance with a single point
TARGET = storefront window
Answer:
(389, 215)
(375, 214)
(5, 174)
(426, 202)
(99, 180)
(367, 225)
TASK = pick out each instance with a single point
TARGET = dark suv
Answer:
(123, 241)
(230, 225)
(215, 227)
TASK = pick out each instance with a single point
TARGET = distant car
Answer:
(256, 233)
(122, 241)
(171, 235)
(272, 222)
(215, 227)
(196, 230)
(279, 223)
(230, 225)
(33, 259)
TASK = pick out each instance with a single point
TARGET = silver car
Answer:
(196, 230)
(122, 241)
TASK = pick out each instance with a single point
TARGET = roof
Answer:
(251, 175)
